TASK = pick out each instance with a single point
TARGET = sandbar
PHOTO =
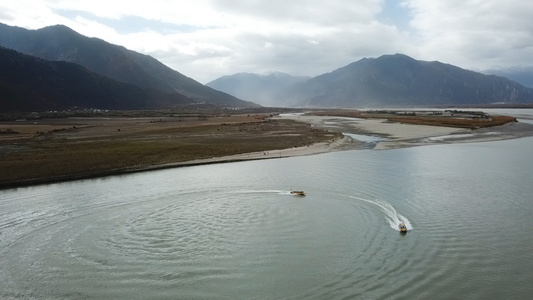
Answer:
(398, 135)
(393, 136)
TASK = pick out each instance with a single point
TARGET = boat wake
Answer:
(279, 192)
(391, 215)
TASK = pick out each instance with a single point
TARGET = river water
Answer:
(233, 231)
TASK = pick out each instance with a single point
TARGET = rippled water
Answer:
(233, 231)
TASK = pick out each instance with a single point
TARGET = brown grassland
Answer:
(58, 149)
(460, 121)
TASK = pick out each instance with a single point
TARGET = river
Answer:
(234, 231)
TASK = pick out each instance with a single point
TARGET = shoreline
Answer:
(399, 135)
(391, 136)
(313, 149)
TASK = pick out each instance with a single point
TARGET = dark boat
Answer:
(297, 192)
(402, 227)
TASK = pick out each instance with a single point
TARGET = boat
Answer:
(298, 192)
(402, 227)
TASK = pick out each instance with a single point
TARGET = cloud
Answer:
(316, 13)
(474, 34)
(206, 39)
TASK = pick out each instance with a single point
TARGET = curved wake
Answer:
(391, 215)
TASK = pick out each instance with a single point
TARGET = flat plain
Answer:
(49, 149)
(55, 149)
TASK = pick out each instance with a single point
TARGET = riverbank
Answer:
(61, 149)
(78, 148)
(398, 135)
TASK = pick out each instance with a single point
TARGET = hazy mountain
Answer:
(28, 83)
(60, 43)
(261, 89)
(522, 75)
(398, 80)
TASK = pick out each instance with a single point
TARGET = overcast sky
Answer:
(206, 39)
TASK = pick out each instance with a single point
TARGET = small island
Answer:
(446, 118)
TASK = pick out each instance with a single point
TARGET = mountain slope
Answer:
(522, 75)
(28, 83)
(261, 89)
(398, 80)
(60, 43)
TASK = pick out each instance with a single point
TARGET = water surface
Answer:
(233, 231)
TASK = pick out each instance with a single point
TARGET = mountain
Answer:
(522, 75)
(60, 43)
(399, 80)
(28, 83)
(261, 89)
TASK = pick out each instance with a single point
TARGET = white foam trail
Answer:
(391, 215)
(282, 192)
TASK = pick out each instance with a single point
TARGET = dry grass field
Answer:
(56, 149)
(469, 120)
(46, 150)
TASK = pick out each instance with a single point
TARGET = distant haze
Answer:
(260, 89)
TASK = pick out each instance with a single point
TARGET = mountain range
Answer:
(55, 67)
(60, 43)
(522, 75)
(28, 83)
(389, 80)
(261, 89)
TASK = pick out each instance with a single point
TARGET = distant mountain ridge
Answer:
(28, 83)
(399, 80)
(389, 80)
(522, 75)
(261, 89)
(60, 43)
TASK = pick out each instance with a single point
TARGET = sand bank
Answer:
(397, 135)
(392, 136)
(385, 135)
(281, 153)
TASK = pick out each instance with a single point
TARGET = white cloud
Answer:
(205, 39)
(30, 14)
(475, 34)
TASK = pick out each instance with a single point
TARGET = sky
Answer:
(207, 39)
